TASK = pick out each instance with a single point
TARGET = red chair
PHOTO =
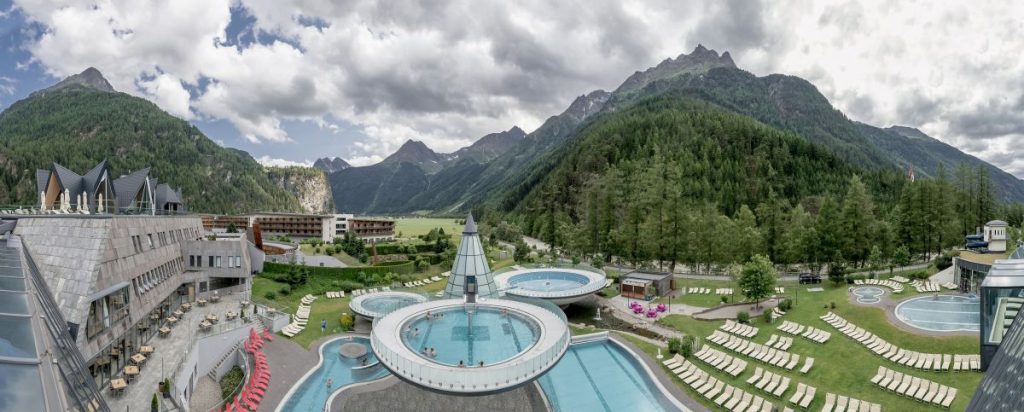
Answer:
(227, 407)
(238, 407)
(268, 335)
(248, 402)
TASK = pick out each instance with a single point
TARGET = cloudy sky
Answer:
(294, 80)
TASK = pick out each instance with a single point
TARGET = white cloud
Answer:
(451, 71)
(364, 160)
(275, 162)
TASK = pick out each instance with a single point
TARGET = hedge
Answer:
(393, 263)
(395, 248)
(347, 273)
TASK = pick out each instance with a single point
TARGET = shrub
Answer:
(686, 347)
(851, 278)
(422, 265)
(346, 321)
(785, 305)
(285, 291)
(833, 306)
(768, 316)
(743, 317)
(230, 382)
(675, 345)
(155, 405)
(270, 295)
(943, 261)
(918, 274)
(725, 299)
(348, 285)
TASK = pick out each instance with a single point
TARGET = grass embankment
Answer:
(323, 308)
(411, 227)
(842, 366)
(309, 250)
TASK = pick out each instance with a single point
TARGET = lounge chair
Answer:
(830, 401)
(800, 390)
(808, 397)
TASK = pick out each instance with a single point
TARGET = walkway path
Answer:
(207, 395)
(944, 276)
(619, 310)
(170, 352)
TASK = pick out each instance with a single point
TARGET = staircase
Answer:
(213, 371)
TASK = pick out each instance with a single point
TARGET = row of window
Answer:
(106, 311)
(148, 242)
(196, 261)
(151, 279)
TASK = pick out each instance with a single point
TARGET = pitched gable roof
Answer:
(127, 187)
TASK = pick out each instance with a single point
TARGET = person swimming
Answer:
(462, 364)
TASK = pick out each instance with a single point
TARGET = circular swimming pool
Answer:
(375, 305)
(469, 337)
(868, 295)
(942, 313)
(516, 341)
(561, 286)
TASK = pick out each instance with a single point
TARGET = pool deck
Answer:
(392, 394)
(888, 305)
(288, 362)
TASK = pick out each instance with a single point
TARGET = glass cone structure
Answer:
(470, 263)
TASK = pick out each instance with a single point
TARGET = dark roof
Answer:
(997, 223)
(1002, 387)
(69, 181)
(166, 194)
(128, 187)
(647, 275)
(91, 179)
(42, 179)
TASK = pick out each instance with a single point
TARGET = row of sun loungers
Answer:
(780, 342)
(803, 396)
(776, 313)
(809, 332)
(699, 291)
(770, 382)
(719, 360)
(727, 396)
(835, 403)
(737, 328)
(300, 319)
(780, 290)
(966, 362)
(360, 292)
(723, 291)
(900, 279)
(335, 295)
(925, 286)
(909, 358)
(895, 286)
(422, 282)
(950, 285)
(763, 353)
(920, 389)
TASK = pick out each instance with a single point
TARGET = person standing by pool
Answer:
(462, 364)
(323, 326)
(330, 382)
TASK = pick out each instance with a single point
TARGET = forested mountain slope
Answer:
(78, 125)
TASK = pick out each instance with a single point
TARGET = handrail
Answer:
(80, 384)
(246, 376)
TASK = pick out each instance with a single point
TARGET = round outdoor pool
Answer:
(561, 286)
(485, 335)
(942, 313)
(375, 305)
(868, 295)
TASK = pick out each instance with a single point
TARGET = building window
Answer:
(191, 261)
(211, 262)
(149, 237)
(218, 261)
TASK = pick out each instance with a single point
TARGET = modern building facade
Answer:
(645, 285)
(470, 267)
(995, 235)
(373, 230)
(1002, 298)
(341, 223)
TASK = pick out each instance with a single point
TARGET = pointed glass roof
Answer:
(470, 261)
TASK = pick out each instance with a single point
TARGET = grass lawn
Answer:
(842, 366)
(323, 308)
(309, 250)
(410, 227)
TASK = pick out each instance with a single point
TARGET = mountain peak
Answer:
(91, 78)
(491, 145)
(415, 152)
(331, 165)
(699, 61)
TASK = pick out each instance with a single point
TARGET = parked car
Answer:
(810, 278)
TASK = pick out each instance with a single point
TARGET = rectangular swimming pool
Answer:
(601, 376)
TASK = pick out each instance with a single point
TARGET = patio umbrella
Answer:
(42, 200)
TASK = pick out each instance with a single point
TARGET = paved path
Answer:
(944, 276)
(207, 395)
(619, 310)
(731, 311)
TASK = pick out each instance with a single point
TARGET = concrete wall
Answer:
(207, 352)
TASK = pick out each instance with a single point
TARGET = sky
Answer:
(290, 81)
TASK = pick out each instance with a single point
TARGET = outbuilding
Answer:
(646, 285)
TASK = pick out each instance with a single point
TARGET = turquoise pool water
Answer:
(552, 281)
(492, 338)
(601, 376)
(941, 313)
(868, 294)
(311, 394)
(388, 303)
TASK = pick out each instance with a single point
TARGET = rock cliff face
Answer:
(308, 184)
